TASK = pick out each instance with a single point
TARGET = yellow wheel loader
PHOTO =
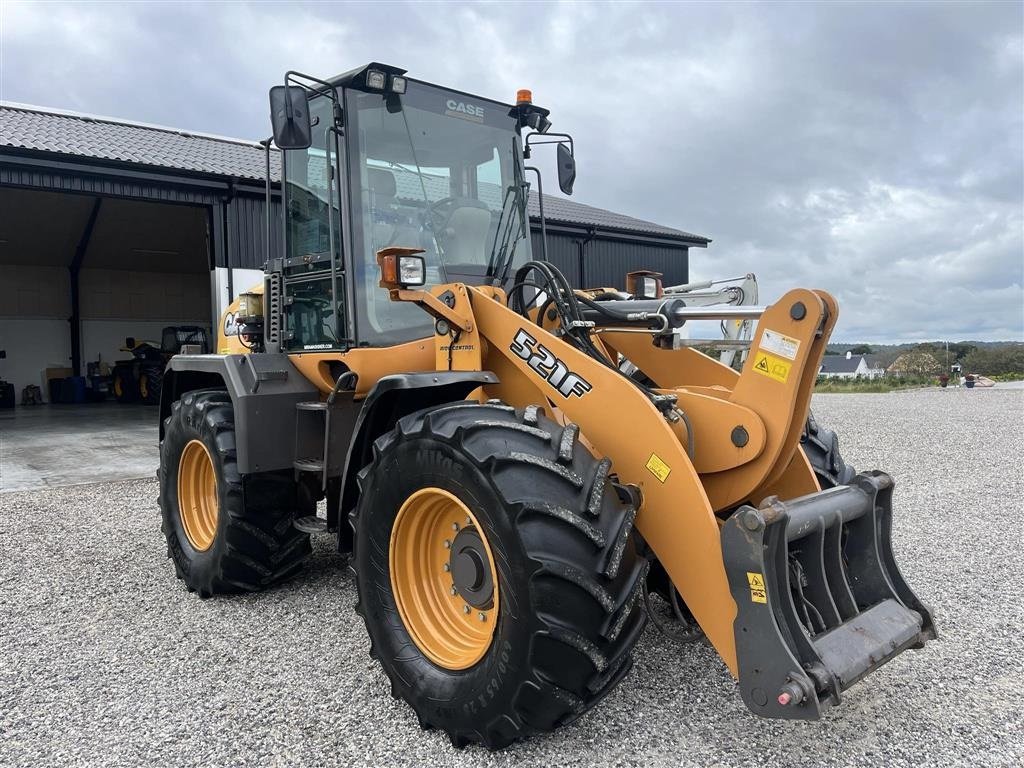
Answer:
(507, 493)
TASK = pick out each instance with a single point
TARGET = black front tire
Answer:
(569, 573)
(255, 545)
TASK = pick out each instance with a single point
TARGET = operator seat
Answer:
(466, 234)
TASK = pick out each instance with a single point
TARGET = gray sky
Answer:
(874, 150)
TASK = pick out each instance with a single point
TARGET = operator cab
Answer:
(391, 161)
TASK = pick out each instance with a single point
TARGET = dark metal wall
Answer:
(603, 262)
(69, 177)
(246, 227)
(606, 262)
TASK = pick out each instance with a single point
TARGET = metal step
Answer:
(310, 524)
(314, 405)
(309, 465)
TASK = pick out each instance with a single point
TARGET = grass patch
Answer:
(871, 385)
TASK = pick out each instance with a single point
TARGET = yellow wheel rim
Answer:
(197, 495)
(144, 386)
(435, 542)
(118, 388)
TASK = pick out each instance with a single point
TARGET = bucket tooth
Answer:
(820, 600)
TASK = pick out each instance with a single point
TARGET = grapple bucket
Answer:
(820, 600)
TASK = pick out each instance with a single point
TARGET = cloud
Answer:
(874, 150)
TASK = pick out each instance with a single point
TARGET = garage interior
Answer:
(135, 266)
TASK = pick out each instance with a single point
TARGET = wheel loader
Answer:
(512, 465)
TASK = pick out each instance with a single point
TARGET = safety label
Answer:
(779, 344)
(757, 593)
(771, 366)
(658, 468)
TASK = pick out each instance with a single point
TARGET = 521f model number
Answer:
(550, 368)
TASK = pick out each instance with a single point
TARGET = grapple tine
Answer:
(820, 600)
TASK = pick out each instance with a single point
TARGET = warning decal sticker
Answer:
(658, 468)
(757, 593)
(771, 366)
(779, 344)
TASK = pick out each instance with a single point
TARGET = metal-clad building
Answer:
(110, 228)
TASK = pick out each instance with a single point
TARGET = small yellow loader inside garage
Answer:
(507, 492)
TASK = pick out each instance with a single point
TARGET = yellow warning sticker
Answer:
(757, 593)
(771, 366)
(658, 468)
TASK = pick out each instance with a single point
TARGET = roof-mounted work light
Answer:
(375, 79)
(398, 84)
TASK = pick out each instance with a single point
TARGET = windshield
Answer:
(437, 171)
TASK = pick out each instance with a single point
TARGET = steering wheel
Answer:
(438, 213)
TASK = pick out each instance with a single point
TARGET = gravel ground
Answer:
(106, 659)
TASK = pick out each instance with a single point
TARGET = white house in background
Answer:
(849, 366)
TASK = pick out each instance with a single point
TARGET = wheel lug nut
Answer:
(447, 543)
(468, 522)
(466, 609)
(446, 567)
(482, 616)
(454, 591)
(455, 526)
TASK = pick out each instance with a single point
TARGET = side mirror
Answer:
(566, 168)
(289, 116)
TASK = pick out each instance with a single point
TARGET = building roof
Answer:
(44, 130)
(840, 363)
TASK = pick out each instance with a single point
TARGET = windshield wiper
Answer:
(501, 258)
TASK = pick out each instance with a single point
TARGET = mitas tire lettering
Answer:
(548, 366)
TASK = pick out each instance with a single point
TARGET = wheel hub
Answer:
(471, 573)
(197, 495)
(443, 578)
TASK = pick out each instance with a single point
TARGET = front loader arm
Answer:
(800, 596)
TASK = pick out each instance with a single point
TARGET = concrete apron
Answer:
(49, 446)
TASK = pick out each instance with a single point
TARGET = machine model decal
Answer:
(550, 368)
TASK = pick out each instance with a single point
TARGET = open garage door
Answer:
(139, 267)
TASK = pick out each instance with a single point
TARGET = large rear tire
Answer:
(225, 532)
(150, 381)
(556, 634)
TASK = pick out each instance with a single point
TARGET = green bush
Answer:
(996, 361)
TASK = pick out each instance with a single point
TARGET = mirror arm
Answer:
(296, 78)
(562, 138)
(540, 205)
